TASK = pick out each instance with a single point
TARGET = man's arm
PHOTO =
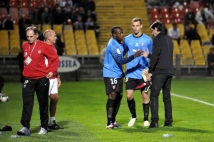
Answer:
(118, 56)
(155, 55)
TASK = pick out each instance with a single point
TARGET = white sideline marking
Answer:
(193, 99)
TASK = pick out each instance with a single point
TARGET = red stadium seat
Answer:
(153, 11)
(13, 3)
(23, 4)
(33, 4)
(3, 10)
(184, 11)
(177, 20)
(153, 19)
(53, 3)
(167, 21)
(164, 10)
(24, 10)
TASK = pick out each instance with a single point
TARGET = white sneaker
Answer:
(132, 122)
(24, 132)
(110, 126)
(42, 131)
(146, 123)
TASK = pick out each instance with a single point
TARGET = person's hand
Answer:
(138, 53)
(58, 81)
(146, 76)
(50, 74)
(145, 54)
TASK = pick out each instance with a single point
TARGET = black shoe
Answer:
(167, 125)
(55, 126)
(153, 125)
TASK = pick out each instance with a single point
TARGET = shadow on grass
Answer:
(139, 128)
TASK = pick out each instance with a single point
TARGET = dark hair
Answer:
(35, 30)
(114, 29)
(158, 25)
(136, 19)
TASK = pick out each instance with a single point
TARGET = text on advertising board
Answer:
(68, 64)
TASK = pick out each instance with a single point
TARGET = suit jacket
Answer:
(162, 55)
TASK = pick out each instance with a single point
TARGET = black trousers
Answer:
(41, 87)
(1, 83)
(161, 81)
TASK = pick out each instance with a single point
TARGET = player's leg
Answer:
(130, 86)
(119, 97)
(145, 105)
(54, 97)
(110, 87)
(110, 110)
(118, 101)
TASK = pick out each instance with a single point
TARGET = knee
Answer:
(112, 96)
(129, 97)
(54, 98)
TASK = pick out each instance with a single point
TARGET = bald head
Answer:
(50, 37)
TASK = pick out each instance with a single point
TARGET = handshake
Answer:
(141, 53)
(146, 75)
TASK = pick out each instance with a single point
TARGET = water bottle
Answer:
(167, 135)
(15, 136)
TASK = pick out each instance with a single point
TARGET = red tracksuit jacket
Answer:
(37, 52)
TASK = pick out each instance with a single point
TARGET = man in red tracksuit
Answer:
(36, 79)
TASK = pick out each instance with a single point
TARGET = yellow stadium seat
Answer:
(199, 61)
(176, 49)
(82, 50)
(57, 28)
(93, 49)
(46, 27)
(181, 27)
(206, 49)
(211, 33)
(70, 50)
(187, 60)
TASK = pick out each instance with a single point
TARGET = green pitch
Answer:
(81, 110)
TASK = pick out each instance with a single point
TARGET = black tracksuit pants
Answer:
(41, 87)
(161, 81)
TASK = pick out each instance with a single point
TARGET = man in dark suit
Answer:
(161, 69)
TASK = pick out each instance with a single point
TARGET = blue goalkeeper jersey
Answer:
(113, 59)
(132, 44)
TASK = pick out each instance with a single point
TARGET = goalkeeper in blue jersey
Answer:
(113, 74)
(132, 43)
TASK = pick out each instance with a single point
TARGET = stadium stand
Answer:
(120, 13)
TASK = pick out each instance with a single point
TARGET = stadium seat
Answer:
(164, 10)
(33, 4)
(24, 10)
(211, 33)
(93, 49)
(166, 21)
(23, 3)
(4, 46)
(82, 49)
(176, 47)
(45, 27)
(68, 27)
(187, 60)
(199, 61)
(196, 48)
(13, 3)
(3, 10)
(57, 28)
(184, 11)
(206, 49)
